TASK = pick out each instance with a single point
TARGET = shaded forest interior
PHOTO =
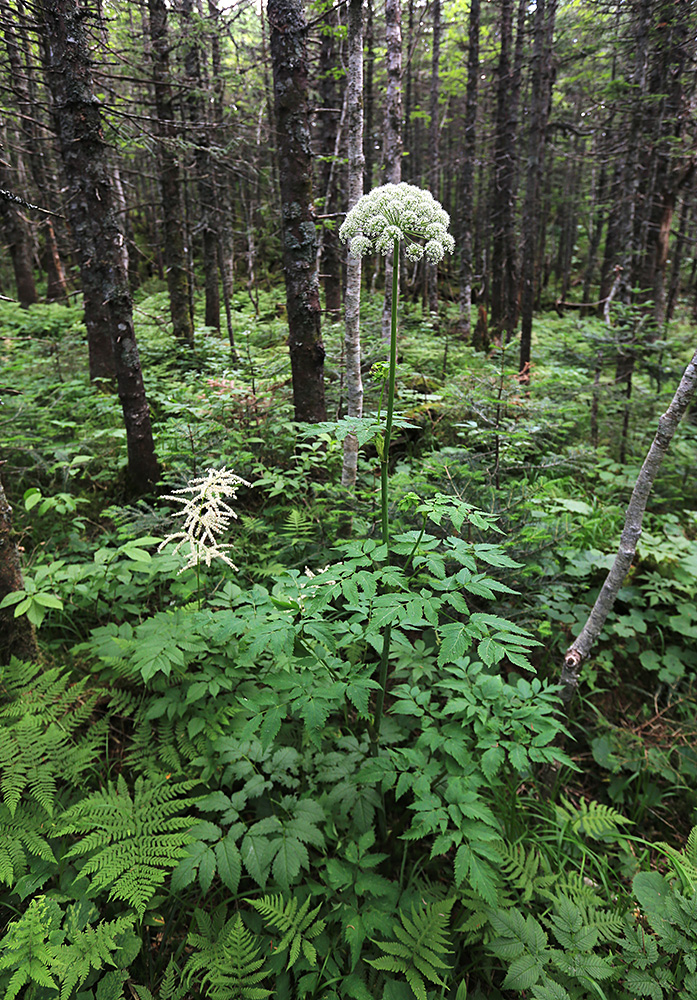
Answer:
(348, 602)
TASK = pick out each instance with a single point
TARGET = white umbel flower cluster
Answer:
(398, 212)
(205, 515)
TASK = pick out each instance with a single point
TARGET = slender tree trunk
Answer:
(289, 59)
(205, 167)
(330, 120)
(93, 219)
(23, 84)
(19, 242)
(352, 336)
(501, 210)
(469, 153)
(368, 100)
(226, 242)
(686, 210)
(174, 231)
(540, 101)
(434, 144)
(596, 215)
(581, 647)
(392, 145)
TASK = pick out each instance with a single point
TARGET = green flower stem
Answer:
(384, 496)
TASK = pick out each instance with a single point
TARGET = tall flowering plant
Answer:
(206, 515)
(378, 223)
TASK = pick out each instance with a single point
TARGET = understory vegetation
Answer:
(196, 801)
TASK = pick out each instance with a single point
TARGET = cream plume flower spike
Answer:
(205, 515)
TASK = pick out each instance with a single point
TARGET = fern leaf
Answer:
(684, 862)
(228, 958)
(21, 835)
(89, 949)
(296, 925)
(420, 946)
(130, 844)
(26, 948)
(169, 990)
(592, 818)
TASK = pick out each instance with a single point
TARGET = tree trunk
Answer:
(289, 59)
(93, 220)
(22, 82)
(368, 140)
(174, 231)
(539, 113)
(595, 225)
(18, 240)
(686, 210)
(502, 190)
(392, 144)
(434, 147)
(329, 129)
(672, 49)
(226, 242)
(352, 335)
(469, 153)
(17, 637)
(205, 168)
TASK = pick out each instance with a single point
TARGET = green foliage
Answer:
(209, 746)
(420, 946)
(297, 925)
(130, 843)
(40, 736)
(227, 955)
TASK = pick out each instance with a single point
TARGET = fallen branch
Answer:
(667, 424)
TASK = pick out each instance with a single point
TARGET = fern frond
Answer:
(164, 745)
(18, 676)
(49, 696)
(684, 863)
(297, 524)
(522, 868)
(29, 759)
(39, 740)
(420, 946)
(228, 957)
(130, 844)
(26, 948)
(21, 835)
(297, 926)
(592, 818)
(169, 988)
(89, 949)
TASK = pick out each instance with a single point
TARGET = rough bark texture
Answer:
(352, 336)
(174, 231)
(17, 636)
(93, 220)
(502, 195)
(667, 424)
(329, 131)
(672, 49)
(18, 240)
(22, 83)
(469, 150)
(289, 59)
(205, 170)
(539, 113)
(225, 222)
(434, 144)
(368, 140)
(392, 142)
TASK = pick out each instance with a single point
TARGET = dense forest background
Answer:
(300, 696)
